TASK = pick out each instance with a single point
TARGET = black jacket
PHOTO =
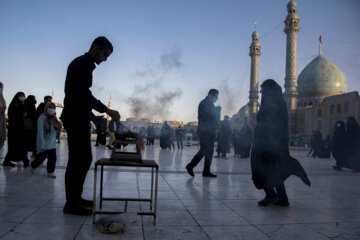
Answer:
(207, 116)
(79, 100)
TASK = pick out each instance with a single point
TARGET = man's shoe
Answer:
(282, 203)
(267, 201)
(336, 168)
(208, 174)
(77, 209)
(190, 171)
(86, 203)
(217, 156)
(109, 147)
(51, 175)
(8, 164)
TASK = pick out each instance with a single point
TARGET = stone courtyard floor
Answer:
(188, 208)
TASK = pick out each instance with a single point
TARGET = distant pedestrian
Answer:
(353, 143)
(208, 117)
(30, 124)
(58, 131)
(16, 141)
(2, 116)
(271, 163)
(46, 139)
(339, 145)
(224, 138)
(245, 141)
(179, 133)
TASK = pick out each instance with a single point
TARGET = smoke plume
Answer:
(148, 99)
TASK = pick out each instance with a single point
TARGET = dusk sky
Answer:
(168, 54)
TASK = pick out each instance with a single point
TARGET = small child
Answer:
(46, 139)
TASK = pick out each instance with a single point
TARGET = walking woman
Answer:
(271, 163)
(16, 142)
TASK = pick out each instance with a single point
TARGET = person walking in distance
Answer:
(76, 115)
(208, 122)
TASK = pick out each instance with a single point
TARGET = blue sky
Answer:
(168, 54)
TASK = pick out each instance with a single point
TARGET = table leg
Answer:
(156, 190)
(94, 196)
(152, 187)
(101, 185)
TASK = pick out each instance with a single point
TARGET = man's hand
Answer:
(113, 114)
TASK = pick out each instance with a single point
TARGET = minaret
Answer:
(291, 29)
(109, 106)
(254, 78)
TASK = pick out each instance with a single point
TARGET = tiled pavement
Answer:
(188, 208)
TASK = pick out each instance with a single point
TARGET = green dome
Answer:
(321, 78)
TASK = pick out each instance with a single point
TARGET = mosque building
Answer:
(316, 98)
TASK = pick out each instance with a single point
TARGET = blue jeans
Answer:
(40, 158)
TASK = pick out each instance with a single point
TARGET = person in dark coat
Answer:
(245, 141)
(179, 137)
(165, 136)
(31, 116)
(236, 142)
(101, 127)
(339, 145)
(326, 149)
(224, 138)
(208, 116)
(271, 163)
(318, 144)
(76, 115)
(353, 143)
(16, 141)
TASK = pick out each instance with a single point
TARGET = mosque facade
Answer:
(316, 98)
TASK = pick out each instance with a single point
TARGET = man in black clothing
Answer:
(208, 122)
(76, 115)
(179, 133)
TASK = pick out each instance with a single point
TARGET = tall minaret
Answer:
(291, 29)
(254, 77)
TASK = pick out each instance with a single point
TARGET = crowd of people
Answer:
(36, 130)
(30, 129)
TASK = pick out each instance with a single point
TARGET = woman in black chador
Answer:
(271, 163)
(16, 142)
(353, 143)
(339, 145)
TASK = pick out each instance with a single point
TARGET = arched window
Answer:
(346, 107)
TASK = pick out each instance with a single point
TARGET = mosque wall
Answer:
(323, 116)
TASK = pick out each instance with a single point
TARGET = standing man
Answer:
(179, 137)
(208, 117)
(76, 115)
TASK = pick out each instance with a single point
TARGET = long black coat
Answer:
(16, 141)
(271, 163)
(353, 143)
(339, 145)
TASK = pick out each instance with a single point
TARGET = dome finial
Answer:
(320, 42)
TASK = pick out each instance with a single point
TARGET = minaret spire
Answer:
(291, 29)
(109, 106)
(254, 78)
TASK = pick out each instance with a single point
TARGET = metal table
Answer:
(113, 163)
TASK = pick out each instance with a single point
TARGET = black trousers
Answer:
(280, 192)
(206, 149)
(80, 158)
(40, 158)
